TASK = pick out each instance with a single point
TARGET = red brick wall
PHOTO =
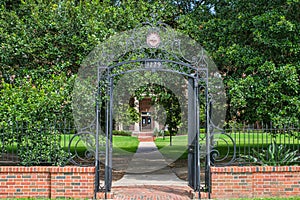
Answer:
(78, 182)
(49, 182)
(239, 182)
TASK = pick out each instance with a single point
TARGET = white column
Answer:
(136, 124)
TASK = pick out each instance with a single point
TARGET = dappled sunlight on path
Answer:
(149, 167)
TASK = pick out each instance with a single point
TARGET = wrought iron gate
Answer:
(156, 49)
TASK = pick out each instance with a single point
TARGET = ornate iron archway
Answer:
(148, 48)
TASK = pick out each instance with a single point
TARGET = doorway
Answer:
(146, 123)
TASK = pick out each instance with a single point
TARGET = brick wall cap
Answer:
(235, 169)
(46, 169)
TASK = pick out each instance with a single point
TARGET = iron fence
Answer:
(39, 143)
(58, 143)
(258, 144)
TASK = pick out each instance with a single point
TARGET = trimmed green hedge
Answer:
(122, 133)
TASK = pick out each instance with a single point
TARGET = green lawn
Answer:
(245, 142)
(126, 143)
(285, 198)
(178, 148)
(123, 146)
(120, 144)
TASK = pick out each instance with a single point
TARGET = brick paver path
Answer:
(152, 193)
(148, 177)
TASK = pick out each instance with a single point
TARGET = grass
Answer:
(177, 150)
(123, 143)
(127, 143)
(273, 198)
(245, 142)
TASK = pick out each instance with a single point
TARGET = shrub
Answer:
(274, 155)
(122, 133)
(28, 105)
(41, 147)
(33, 143)
(164, 133)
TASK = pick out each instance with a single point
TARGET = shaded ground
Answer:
(179, 167)
(149, 167)
(151, 192)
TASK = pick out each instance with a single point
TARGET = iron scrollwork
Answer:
(218, 157)
(82, 148)
(79, 157)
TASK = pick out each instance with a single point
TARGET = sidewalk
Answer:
(153, 193)
(149, 167)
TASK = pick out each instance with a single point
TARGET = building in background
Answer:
(147, 122)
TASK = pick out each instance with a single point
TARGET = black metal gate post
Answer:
(97, 160)
(208, 139)
(197, 157)
(193, 135)
(108, 135)
(109, 167)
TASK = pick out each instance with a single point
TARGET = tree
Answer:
(42, 46)
(42, 39)
(169, 101)
(255, 45)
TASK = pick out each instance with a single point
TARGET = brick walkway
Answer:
(148, 177)
(152, 193)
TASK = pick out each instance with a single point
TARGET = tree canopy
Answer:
(255, 45)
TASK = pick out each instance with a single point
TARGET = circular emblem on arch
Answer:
(153, 40)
